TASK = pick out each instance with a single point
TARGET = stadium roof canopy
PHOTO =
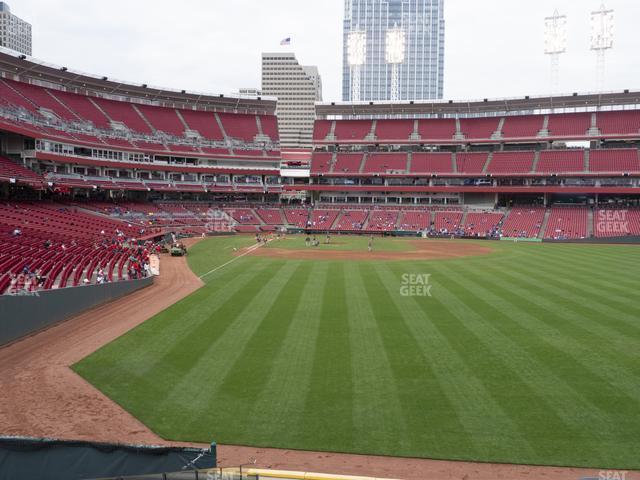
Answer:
(448, 108)
(27, 69)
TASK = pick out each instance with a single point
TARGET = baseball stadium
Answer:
(433, 290)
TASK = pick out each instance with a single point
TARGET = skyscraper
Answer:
(15, 33)
(393, 50)
(297, 87)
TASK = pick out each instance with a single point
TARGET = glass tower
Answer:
(420, 75)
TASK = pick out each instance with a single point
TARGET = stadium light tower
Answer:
(601, 40)
(395, 51)
(555, 44)
(356, 56)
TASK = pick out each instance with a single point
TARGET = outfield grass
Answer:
(529, 355)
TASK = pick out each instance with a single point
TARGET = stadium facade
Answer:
(421, 73)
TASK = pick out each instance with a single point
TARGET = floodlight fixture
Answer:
(356, 58)
(555, 44)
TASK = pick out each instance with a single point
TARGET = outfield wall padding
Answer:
(25, 314)
(626, 240)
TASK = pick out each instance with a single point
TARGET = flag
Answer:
(286, 41)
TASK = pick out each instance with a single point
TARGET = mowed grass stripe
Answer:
(564, 298)
(592, 273)
(608, 294)
(473, 402)
(280, 413)
(553, 318)
(549, 342)
(329, 404)
(582, 415)
(243, 384)
(494, 375)
(162, 346)
(378, 415)
(185, 321)
(529, 380)
(600, 312)
(235, 322)
(213, 316)
(489, 359)
(434, 422)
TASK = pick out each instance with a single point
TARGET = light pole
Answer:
(356, 56)
(601, 40)
(394, 55)
(555, 44)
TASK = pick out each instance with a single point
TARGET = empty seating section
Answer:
(479, 128)
(472, 162)
(164, 119)
(321, 162)
(348, 163)
(248, 153)
(504, 163)
(414, 221)
(561, 161)
(614, 160)
(352, 220)
(204, 123)
(297, 217)
(566, 223)
(385, 162)
(383, 220)
(352, 130)
(83, 107)
(121, 142)
(569, 124)
(40, 97)
(123, 112)
(429, 163)
(183, 148)
(323, 219)
(149, 146)
(244, 216)
(394, 130)
(437, 129)
(522, 126)
(239, 126)
(483, 128)
(482, 224)
(270, 216)
(11, 170)
(215, 151)
(447, 222)
(269, 126)
(74, 111)
(625, 122)
(321, 129)
(618, 222)
(523, 222)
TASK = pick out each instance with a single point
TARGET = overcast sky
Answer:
(494, 48)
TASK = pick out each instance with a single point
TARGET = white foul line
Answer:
(249, 250)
